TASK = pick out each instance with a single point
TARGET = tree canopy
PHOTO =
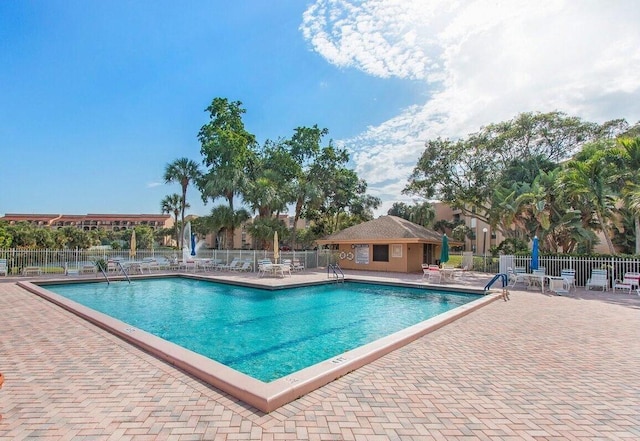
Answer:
(544, 174)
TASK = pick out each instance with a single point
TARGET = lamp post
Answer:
(484, 247)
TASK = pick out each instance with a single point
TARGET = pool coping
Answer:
(266, 397)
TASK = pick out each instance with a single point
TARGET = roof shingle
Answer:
(385, 228)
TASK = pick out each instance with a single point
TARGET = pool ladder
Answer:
(121, 269)
(335, 271)
(504, 277)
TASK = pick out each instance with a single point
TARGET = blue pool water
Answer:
(262, 333)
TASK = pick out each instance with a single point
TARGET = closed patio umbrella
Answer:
(132, 249)
(276, 247)
(534, 254)
(444, 250)
(193, 244)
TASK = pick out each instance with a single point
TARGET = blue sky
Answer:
(97, 97)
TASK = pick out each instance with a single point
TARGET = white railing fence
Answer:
(616, 266)
(53, 261)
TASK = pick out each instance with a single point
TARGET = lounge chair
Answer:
(432, 272)
(246, 266)
(286, 266)
(628, 282)
(518, 275)
(570, 276)
(296, 265)
(559, 285)
(536, 279)
(4, 268)
(515, 277)
(163, 263)
(112, 266)
(264, 265)
(88, 269)
(150, 264)
(234, 263)
(599, 279)
(31, 271)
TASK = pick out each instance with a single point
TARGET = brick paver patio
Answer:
(538, 367)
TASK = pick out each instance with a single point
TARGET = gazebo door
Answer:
(428, 251)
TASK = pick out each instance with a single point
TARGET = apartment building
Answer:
(88, 222)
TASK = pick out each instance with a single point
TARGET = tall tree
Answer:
(172, 204)
(228, 150)
(223, 219)
(183, 171)
(626, 158)
(305, 149)
(465, 173)
(586, 181)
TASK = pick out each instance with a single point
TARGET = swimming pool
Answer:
(266, 334)
(335, 326)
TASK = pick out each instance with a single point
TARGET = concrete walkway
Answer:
(537, 367)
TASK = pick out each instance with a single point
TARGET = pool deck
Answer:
(537, 367)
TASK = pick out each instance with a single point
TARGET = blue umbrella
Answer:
(193, 244)
(534, 254)
(444, 250)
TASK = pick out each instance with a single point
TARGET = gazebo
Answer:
(388, 243)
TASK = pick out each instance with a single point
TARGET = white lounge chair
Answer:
(599, 279)
(570, 276)
(286, 266)
(516, 276)
(432, 272)
(234, 263)
(246, 266)
(264, 265)
(88, 269)
(296, 265)
(559, 285)
(536, 279)
(628, 282)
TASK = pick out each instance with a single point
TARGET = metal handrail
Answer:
(123, 271)
(103, 273)
(335, 268)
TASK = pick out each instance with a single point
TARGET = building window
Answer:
(381, 253)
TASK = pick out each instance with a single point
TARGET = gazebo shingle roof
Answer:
(386, 228)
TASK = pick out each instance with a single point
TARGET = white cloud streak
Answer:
(480, 61)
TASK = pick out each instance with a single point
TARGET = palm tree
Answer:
(586, 182)
(422, 214)
(222, 218)
(172, 204)
(629, 180)
(183, 171)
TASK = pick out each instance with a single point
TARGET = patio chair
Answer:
(88, 269)
(31, 271)
(234, 263)
(264, 265)
(599, 279)
(432, 272)
(246, 266)
(628, 282)
(286, 266)
(569, 275)
(536, 279)
(516, 276)
(559, 285)
(4, 268)
(112, 266)
(296, 265)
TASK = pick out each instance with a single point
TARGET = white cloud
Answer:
(481, 61)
